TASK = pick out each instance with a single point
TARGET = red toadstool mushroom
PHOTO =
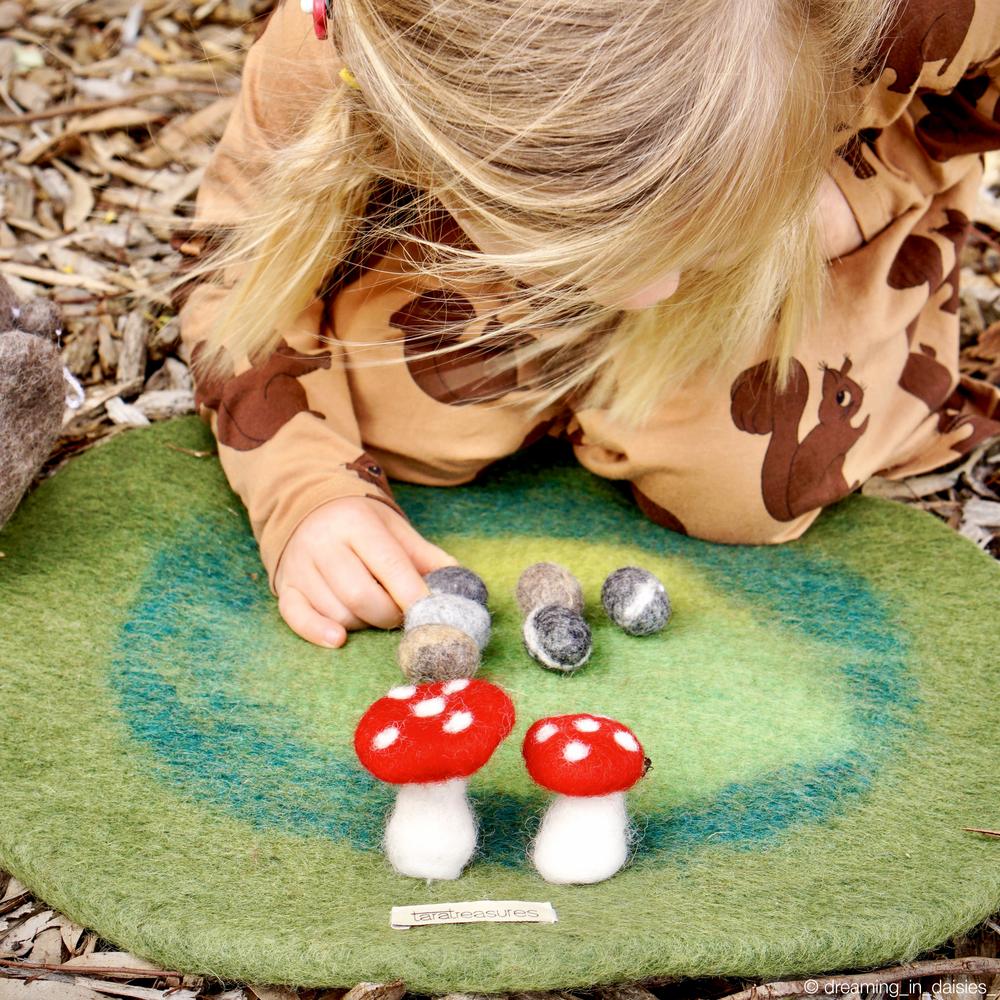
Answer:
(428, 739)
(590, 762)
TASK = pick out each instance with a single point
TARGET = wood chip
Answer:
(44, 989)
(377, 991)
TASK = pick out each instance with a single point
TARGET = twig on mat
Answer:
(825, 985)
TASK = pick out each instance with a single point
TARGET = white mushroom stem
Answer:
(582, 839)
(431, 833)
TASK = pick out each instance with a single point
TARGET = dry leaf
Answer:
(44, 989)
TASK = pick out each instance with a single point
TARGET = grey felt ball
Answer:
(557, 637)
(451, 609)
(548, 583)
(636, 600)
(458, 580)
(437, 653)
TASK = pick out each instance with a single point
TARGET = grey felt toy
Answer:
(548, 583)
(437, 653)
(32, 392)
(445, 631)
(458, 580)
(558, 638)
(555, 632)
(636, 600)
(451, 609)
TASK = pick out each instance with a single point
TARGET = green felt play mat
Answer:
(178, 770)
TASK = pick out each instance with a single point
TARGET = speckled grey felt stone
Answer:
(458, 580)
(451, 609)
(548, 583)
(437, 653)
(557, 637)
(636, 600)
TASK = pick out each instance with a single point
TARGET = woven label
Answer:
(504, 911)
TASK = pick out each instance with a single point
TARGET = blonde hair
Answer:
(605, 143)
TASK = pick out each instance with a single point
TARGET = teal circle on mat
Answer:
(178, 771)
(289, 783)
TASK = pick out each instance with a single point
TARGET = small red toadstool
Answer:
(428, 739)
(590, 761)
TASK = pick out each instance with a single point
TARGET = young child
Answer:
(712, 243)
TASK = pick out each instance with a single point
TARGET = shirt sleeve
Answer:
(932, 110)
(288, 438)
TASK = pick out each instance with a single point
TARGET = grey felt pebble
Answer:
(458, 580)
(636, 600)
(437, 653)
(548, 583)
(451, 609)
(557, 637)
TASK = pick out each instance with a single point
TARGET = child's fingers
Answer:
(304, 620)
(392, 566)
(426, 555)
(356, 581)
(319, 592)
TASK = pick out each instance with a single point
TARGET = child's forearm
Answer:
(287, 434)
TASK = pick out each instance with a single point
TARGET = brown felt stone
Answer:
(437, 653)
(548, 583)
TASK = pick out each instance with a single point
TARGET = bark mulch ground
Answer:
(110, 111)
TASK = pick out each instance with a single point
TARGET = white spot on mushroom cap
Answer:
(626, 740)
(385, 738)
(402, 693)
(458, 722)
(575, 751)
(459, 684)
(587, 725)
(546, 732)
(428, 707)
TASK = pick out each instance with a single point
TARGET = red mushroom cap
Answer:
(583, 754)
(433, 732)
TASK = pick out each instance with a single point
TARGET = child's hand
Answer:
(351, 563)
(840, 229)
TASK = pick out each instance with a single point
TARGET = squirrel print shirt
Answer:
(874, 387)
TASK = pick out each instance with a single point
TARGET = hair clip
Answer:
(348, 77)
(322, 12)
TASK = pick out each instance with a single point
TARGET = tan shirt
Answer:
(876, 389)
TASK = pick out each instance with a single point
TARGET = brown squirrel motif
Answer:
(954, 125)
(919, 260)
(366, 468)
(957, 230)
(951, 418)
(799, 476)
(254, 405)
(476, 373)
(657, 514)
(917, 263)
(852, 152)
(926, 378)
(922, 31)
